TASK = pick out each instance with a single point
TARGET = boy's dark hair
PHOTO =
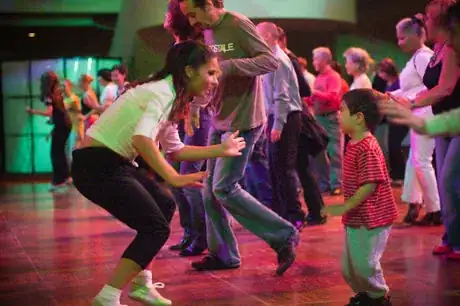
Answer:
(121, 69)
(105, 74)
(365, 101)
(202, 3)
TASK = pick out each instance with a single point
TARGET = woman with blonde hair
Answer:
(357, 63)
(72, 104)
(89, 100)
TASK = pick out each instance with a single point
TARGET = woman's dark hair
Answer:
(388, 66)
(50, 92)
(188, 53)
(453, 14)
(365, 101)
(202, 3)
(442, 19)
(121, 69)
(105, 74)
(178, 24)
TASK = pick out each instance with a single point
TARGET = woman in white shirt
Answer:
(357, 63)
(420, 185)
(103, 171)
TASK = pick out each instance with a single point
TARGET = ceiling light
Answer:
(31, 34)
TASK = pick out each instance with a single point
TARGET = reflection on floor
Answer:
(60, 250)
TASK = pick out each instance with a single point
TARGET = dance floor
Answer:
(60, 249)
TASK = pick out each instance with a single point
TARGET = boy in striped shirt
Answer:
(369, 208)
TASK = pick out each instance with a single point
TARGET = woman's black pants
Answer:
(113, 183)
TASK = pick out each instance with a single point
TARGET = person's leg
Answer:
(321, 165)
(348, 270)
(311, 192)
(412, 193)
(284, 164)
(58, 155)
(441, 149)
(102, 177)
(397, 133)
(194, 196)
(257, 180)
(335, 152)
(422, 160)
(250, 213)
(449, 189)
(366, 248)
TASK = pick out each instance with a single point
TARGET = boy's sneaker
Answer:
(148, 294)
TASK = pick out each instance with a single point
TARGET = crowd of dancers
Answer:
(233, 94)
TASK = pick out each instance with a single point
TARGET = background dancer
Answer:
(51, 94)
(103, 171)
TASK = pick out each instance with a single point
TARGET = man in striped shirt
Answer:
(369, 208)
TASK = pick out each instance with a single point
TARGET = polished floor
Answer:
(60, 249)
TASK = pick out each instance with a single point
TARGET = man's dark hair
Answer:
(202, 3)
(121, 69)
(105, 74)
(365, 101)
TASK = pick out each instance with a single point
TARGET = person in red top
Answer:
(325, 99)
(369, 208)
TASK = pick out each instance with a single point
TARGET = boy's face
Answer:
(348, 122)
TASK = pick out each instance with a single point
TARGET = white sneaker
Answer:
(103, 302)
(148, 294)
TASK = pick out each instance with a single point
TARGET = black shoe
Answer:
(211, 262)
(437, 220)
(412, 214)
(315, 220)
(287, 254)
(194, 249)
(183, 244)
(360, 299)
(427, 220)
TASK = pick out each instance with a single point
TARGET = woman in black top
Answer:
(442, 80)
(51, 95)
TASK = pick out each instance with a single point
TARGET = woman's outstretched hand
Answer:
(189, 180)
(400, 114)
(233, 145)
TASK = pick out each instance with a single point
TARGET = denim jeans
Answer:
(190, 200)
(448, 166)
(328, 164)
(256, 178)
(223, 193)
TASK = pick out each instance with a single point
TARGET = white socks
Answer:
(108, 296)
(144, 278)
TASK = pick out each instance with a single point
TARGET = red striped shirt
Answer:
(364, 163)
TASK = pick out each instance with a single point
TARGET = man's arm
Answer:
(261, 59)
